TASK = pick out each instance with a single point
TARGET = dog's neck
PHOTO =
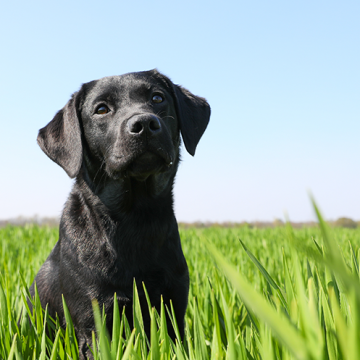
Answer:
(128, 196)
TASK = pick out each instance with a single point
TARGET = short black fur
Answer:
(118, 223)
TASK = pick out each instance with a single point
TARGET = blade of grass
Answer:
(164, 337)
(71, 344)
(94, 349)
(232, 348)
(53, 355)
(340, 325)
(43, 337)
(129, 346)
(199, 337)
(290, 292)
(154, 340)
(116, 332)
(353, 341)
(308, 312)
(137, 314)
(100, 325)
(354, 263)
(266, 275)
(216, 350)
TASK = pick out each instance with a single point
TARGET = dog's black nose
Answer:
(148, 124)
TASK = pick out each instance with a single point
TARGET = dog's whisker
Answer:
(168, 116)
(102, 163)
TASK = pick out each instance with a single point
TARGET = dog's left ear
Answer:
(194, 116)
(60, 139)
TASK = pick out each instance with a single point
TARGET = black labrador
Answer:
(119, 137)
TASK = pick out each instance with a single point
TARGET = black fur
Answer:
(118, 222)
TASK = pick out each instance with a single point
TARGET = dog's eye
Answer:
(102, 109)
(157, 99)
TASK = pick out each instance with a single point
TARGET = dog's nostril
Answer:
(136, 128)
(154, 125)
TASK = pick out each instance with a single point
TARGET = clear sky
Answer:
(282, 79)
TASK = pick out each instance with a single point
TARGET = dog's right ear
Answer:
(60, 139)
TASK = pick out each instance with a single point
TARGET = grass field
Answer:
(264, 294)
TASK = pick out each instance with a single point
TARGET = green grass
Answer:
(268, 294)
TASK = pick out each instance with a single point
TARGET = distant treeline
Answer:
(53, 221)
(341, 222)
(22, 220)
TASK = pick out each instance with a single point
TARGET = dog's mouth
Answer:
(142, 165)
(148, 164)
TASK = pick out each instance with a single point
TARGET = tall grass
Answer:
(255, 294)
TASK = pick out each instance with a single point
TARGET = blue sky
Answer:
(282, 79)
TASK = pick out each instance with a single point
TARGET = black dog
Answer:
(119, 136)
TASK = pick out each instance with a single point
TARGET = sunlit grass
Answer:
(278, 293)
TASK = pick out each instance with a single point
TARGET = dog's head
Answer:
(127, 125)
